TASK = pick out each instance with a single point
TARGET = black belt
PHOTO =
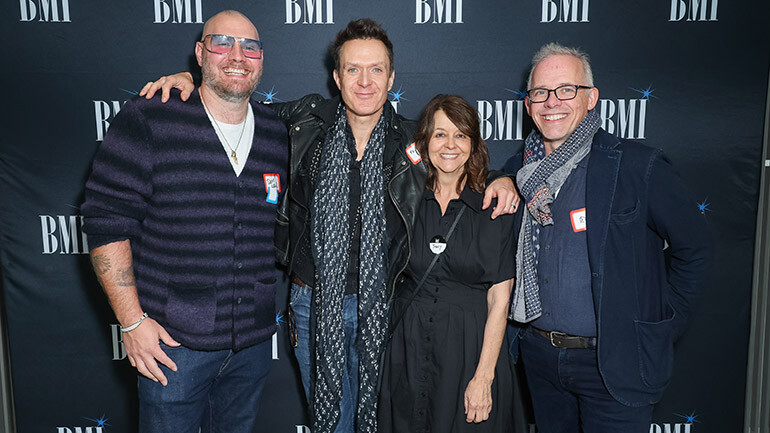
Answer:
(566, 341)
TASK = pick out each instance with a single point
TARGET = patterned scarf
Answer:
(330, 233)
(539, 177)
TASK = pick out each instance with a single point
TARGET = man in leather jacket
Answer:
(335, 223)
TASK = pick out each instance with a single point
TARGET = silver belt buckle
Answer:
(556, 333)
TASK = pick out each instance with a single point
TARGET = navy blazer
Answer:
(643, 296)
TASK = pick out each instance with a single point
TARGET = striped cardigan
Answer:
(201, 237)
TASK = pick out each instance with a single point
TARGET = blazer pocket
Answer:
(655, 343)
(191, 309)
(626, 215)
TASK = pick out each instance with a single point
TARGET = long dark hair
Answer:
(466, 119)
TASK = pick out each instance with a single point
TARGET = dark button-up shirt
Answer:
(563, 272)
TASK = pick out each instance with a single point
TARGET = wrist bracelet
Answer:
(135, 325)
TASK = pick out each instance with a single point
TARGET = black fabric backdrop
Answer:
(689, 76)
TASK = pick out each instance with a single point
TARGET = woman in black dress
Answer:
(444, 370)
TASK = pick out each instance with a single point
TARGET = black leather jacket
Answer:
(308, 120)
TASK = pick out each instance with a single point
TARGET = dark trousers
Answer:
(568, 394)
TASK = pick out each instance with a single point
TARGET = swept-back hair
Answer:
(555, 49)
(363, 28)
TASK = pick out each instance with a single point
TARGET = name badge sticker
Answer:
(272, 180)
(413, 154)
(578, 218)
(437, 244)
(272, 195)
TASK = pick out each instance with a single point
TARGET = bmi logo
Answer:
(626, 118)
(438, 11)
(178, 11)
(502, 119)
(694, 10)
(48, 10)
(684, 426)
(119, 349)
(310, 11)
(104, 112)
(567, 11)
(63, 234)
(98, 428)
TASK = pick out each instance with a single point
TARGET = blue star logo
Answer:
(130, 92)
(703, 206)
(269, 95)
(689, 419)
(646, 93)
(397, 96)
(520, 93)
(100, 422)
(280, 318)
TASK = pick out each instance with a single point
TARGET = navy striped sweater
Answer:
(201, 237)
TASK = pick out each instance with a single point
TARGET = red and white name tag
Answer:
(578, 218)
(272, 181)
(413, 154)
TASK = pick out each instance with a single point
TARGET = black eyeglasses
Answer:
(223, 44)
(562, 93)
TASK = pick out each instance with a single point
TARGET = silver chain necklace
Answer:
(233, 153)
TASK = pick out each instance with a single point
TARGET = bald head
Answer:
(228, 71)
(229, 17)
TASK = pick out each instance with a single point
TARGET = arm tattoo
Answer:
(101, 264)
(125, 277)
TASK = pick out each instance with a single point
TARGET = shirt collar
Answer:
(471, 198)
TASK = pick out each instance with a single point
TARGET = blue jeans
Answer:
(568, 392)
(216, 391)
(300, 303)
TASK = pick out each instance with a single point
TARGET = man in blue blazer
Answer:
(597, 305)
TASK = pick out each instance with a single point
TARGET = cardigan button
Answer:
(296, 128)
(403, 162)
(313, 105)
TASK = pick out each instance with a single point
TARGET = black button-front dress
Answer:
(436, 346)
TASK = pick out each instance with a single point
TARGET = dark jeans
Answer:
(215, 391)
(568, 392)
(300, 303)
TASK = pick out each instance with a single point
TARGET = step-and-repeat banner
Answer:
(688, 76)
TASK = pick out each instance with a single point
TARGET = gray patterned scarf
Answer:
(330, 233)
(538, 178)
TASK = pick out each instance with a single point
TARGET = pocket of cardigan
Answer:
(191, 309)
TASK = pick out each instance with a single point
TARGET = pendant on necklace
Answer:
(234, 157)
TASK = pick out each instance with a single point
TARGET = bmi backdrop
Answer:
(688, 76)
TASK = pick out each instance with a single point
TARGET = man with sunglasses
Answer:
(597, 305)
(179, 210)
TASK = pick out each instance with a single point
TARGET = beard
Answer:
(230, 92)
